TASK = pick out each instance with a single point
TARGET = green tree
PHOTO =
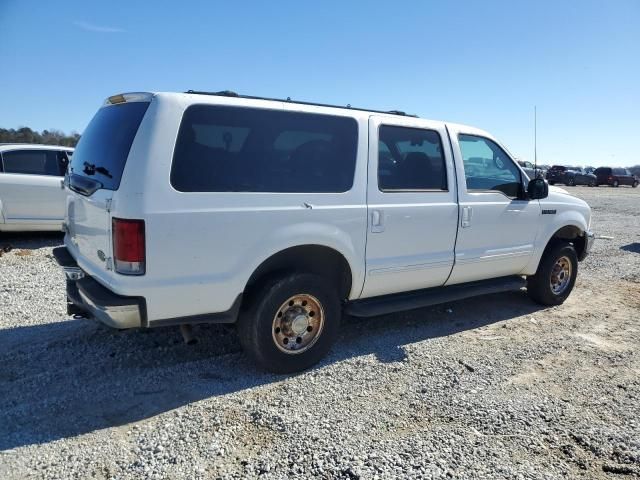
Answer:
(46, 137)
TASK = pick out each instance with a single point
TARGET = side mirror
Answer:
(537, 189)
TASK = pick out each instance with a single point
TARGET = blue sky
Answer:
(484, 63)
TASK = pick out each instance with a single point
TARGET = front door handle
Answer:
(377, 221)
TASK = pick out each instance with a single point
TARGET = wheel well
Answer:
(317, 259)
(572, 234)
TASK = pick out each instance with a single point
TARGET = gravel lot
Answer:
(490, 387)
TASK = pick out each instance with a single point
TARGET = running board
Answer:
(397, 302)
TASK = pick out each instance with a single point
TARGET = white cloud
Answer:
(91, 27)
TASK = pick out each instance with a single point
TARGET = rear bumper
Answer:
(96, 300)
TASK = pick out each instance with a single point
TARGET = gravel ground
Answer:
(490, 387)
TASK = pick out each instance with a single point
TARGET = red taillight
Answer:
(128, 246)
(610, 177)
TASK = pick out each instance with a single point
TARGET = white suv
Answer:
(279, 216)
(31, 193)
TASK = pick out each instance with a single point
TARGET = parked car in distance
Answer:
(578, 176)
(214, 207)
(530, 169)
(555, 174)
(615, 177)
(31, 194)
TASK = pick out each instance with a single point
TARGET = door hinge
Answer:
(108, 204)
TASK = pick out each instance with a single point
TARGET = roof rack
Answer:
(229, 93)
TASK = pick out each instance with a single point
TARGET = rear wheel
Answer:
(572, 182)
(290, 322)
(551, 183)
(616, 183)
(635, 184)
(556, 275)
(592, 183)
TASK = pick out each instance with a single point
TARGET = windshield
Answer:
(104, 146)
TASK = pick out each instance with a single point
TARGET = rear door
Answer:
(497, 227)
(412, 209)
(30, 187)
(95, 172)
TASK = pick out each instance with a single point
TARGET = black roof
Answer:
(229, 93)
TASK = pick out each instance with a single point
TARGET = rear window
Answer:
(231, 149)
(104, 146)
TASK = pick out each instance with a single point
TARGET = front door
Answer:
(497, 226)
(31, 187)
(412, 206)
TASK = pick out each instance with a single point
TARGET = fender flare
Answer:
(566, 219)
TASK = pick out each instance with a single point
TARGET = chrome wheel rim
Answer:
(560, 275)
(298, 323)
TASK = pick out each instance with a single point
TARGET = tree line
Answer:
(46, 137)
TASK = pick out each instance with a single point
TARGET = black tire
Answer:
(257, 322)
(552, 183)
(592, 183)
(539, 285)
(571, 182)
(635, 184)
(615, 184)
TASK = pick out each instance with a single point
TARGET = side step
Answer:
(383, 305)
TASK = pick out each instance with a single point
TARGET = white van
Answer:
(31, 194)
(280, 215)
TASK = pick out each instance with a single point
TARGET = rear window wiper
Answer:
(91, 169)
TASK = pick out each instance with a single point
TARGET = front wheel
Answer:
(290, 322)
(556, 275)
(616, 183)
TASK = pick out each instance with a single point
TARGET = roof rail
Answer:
(229, 93)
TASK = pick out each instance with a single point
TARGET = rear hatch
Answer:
(94, 173)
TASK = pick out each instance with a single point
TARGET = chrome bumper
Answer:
(116, 316)
(88, 296)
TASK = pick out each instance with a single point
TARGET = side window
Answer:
(410, 159)
(488, 167)
(231, 149)
(32, 162)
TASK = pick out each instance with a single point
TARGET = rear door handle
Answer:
(377, 221)
(467, 214)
